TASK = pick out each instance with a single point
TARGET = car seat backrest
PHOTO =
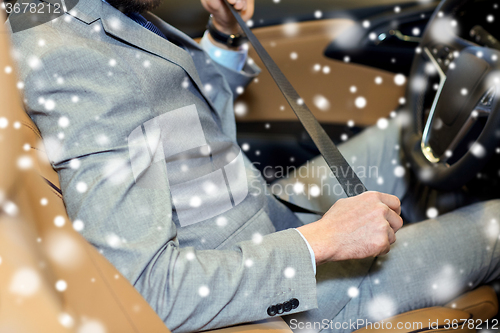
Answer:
(51, 278)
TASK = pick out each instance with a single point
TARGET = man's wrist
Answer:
(221, 45)
(229, 37)
(231, 29)
(230, 58)
(311, 251)
(313, 236)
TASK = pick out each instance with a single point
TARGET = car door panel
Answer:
(323, 83)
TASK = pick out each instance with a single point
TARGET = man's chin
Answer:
(134, 6)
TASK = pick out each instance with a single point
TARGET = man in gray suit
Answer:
(138, 121)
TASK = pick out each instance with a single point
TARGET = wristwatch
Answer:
(229, 40)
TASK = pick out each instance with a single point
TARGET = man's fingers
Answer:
(391, 235)
(239, 5)
(385, 251)
(394, 220)
(391, 201)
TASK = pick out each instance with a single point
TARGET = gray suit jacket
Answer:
(133, 124)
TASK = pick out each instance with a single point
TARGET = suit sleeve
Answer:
(83, 121)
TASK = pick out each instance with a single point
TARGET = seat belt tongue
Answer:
(344, 173)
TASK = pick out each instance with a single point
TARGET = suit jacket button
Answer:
(272, 310)
(295, 303)
(280, 308)
(287, 306)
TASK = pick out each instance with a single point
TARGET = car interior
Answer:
(354, 62)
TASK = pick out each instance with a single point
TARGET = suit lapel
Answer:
(118, 25)
(198, 55)
(171, 32)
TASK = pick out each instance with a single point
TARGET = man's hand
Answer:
(222, 17)
(355, 228)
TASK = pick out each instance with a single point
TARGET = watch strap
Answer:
(234, 40)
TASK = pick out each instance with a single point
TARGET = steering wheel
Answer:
(453, 100)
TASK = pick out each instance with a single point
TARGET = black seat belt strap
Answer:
(346, 176)
(297, 209)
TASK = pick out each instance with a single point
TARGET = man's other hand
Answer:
(222, 17)
(355, 228)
